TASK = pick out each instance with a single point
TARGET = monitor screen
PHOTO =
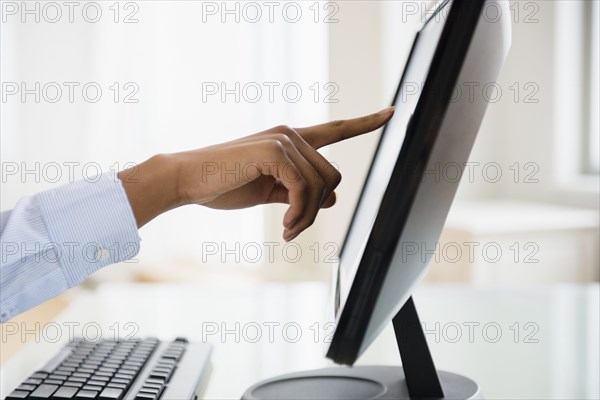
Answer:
(387, 152)
(402, 204)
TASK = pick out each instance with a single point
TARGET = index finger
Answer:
(332, 132)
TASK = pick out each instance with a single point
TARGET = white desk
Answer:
(562, 364)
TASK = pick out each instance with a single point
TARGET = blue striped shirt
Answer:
(55, 239)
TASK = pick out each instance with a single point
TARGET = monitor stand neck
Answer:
(419, 370)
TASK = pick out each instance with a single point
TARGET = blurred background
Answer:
(102, 86)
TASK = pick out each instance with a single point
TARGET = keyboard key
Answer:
(130, 368)
(159, 375)
(147, 389)
(136, 364)
(156, 381)
(64, 371)
(92, 388)
(97, 383)
(171, 356)
(112, 394)
(43, 391)
(168, 372)
(86, 370)
(87, 394)
(142, 351)
(117, 385)
(76, 379)
(145, 396)
(100, 378)
(153, 385)
(65, 392)
(33, 381)
(73, 384)
(91, 364)
(39, 375)
(124, 376)
(26, 388)
(54, 381)
(152, 392)
(16, 395)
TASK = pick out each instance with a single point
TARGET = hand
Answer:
(280, 165)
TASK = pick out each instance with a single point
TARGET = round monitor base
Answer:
(362, 382)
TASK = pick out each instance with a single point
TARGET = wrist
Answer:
(151, 187)
(191, 187)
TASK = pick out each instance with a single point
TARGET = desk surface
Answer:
(517, 343)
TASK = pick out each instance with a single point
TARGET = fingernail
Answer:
(386, 111)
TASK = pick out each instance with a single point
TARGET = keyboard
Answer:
(132, 369)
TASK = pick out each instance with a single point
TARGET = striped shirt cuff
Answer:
(91, 223)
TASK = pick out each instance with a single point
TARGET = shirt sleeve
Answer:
(55, 239)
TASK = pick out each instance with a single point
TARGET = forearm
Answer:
(152, 187)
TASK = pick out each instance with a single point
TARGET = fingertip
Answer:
(386, 112)
(385, 115)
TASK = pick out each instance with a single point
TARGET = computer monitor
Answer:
(403, 207)
(406, 197)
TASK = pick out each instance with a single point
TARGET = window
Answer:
(576, 100)
(593, 142)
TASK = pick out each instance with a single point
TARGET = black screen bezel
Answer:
(421, 134)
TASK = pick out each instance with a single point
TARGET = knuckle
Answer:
(336, 123)
(274, 146)
(283, 139)
(284, 129)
